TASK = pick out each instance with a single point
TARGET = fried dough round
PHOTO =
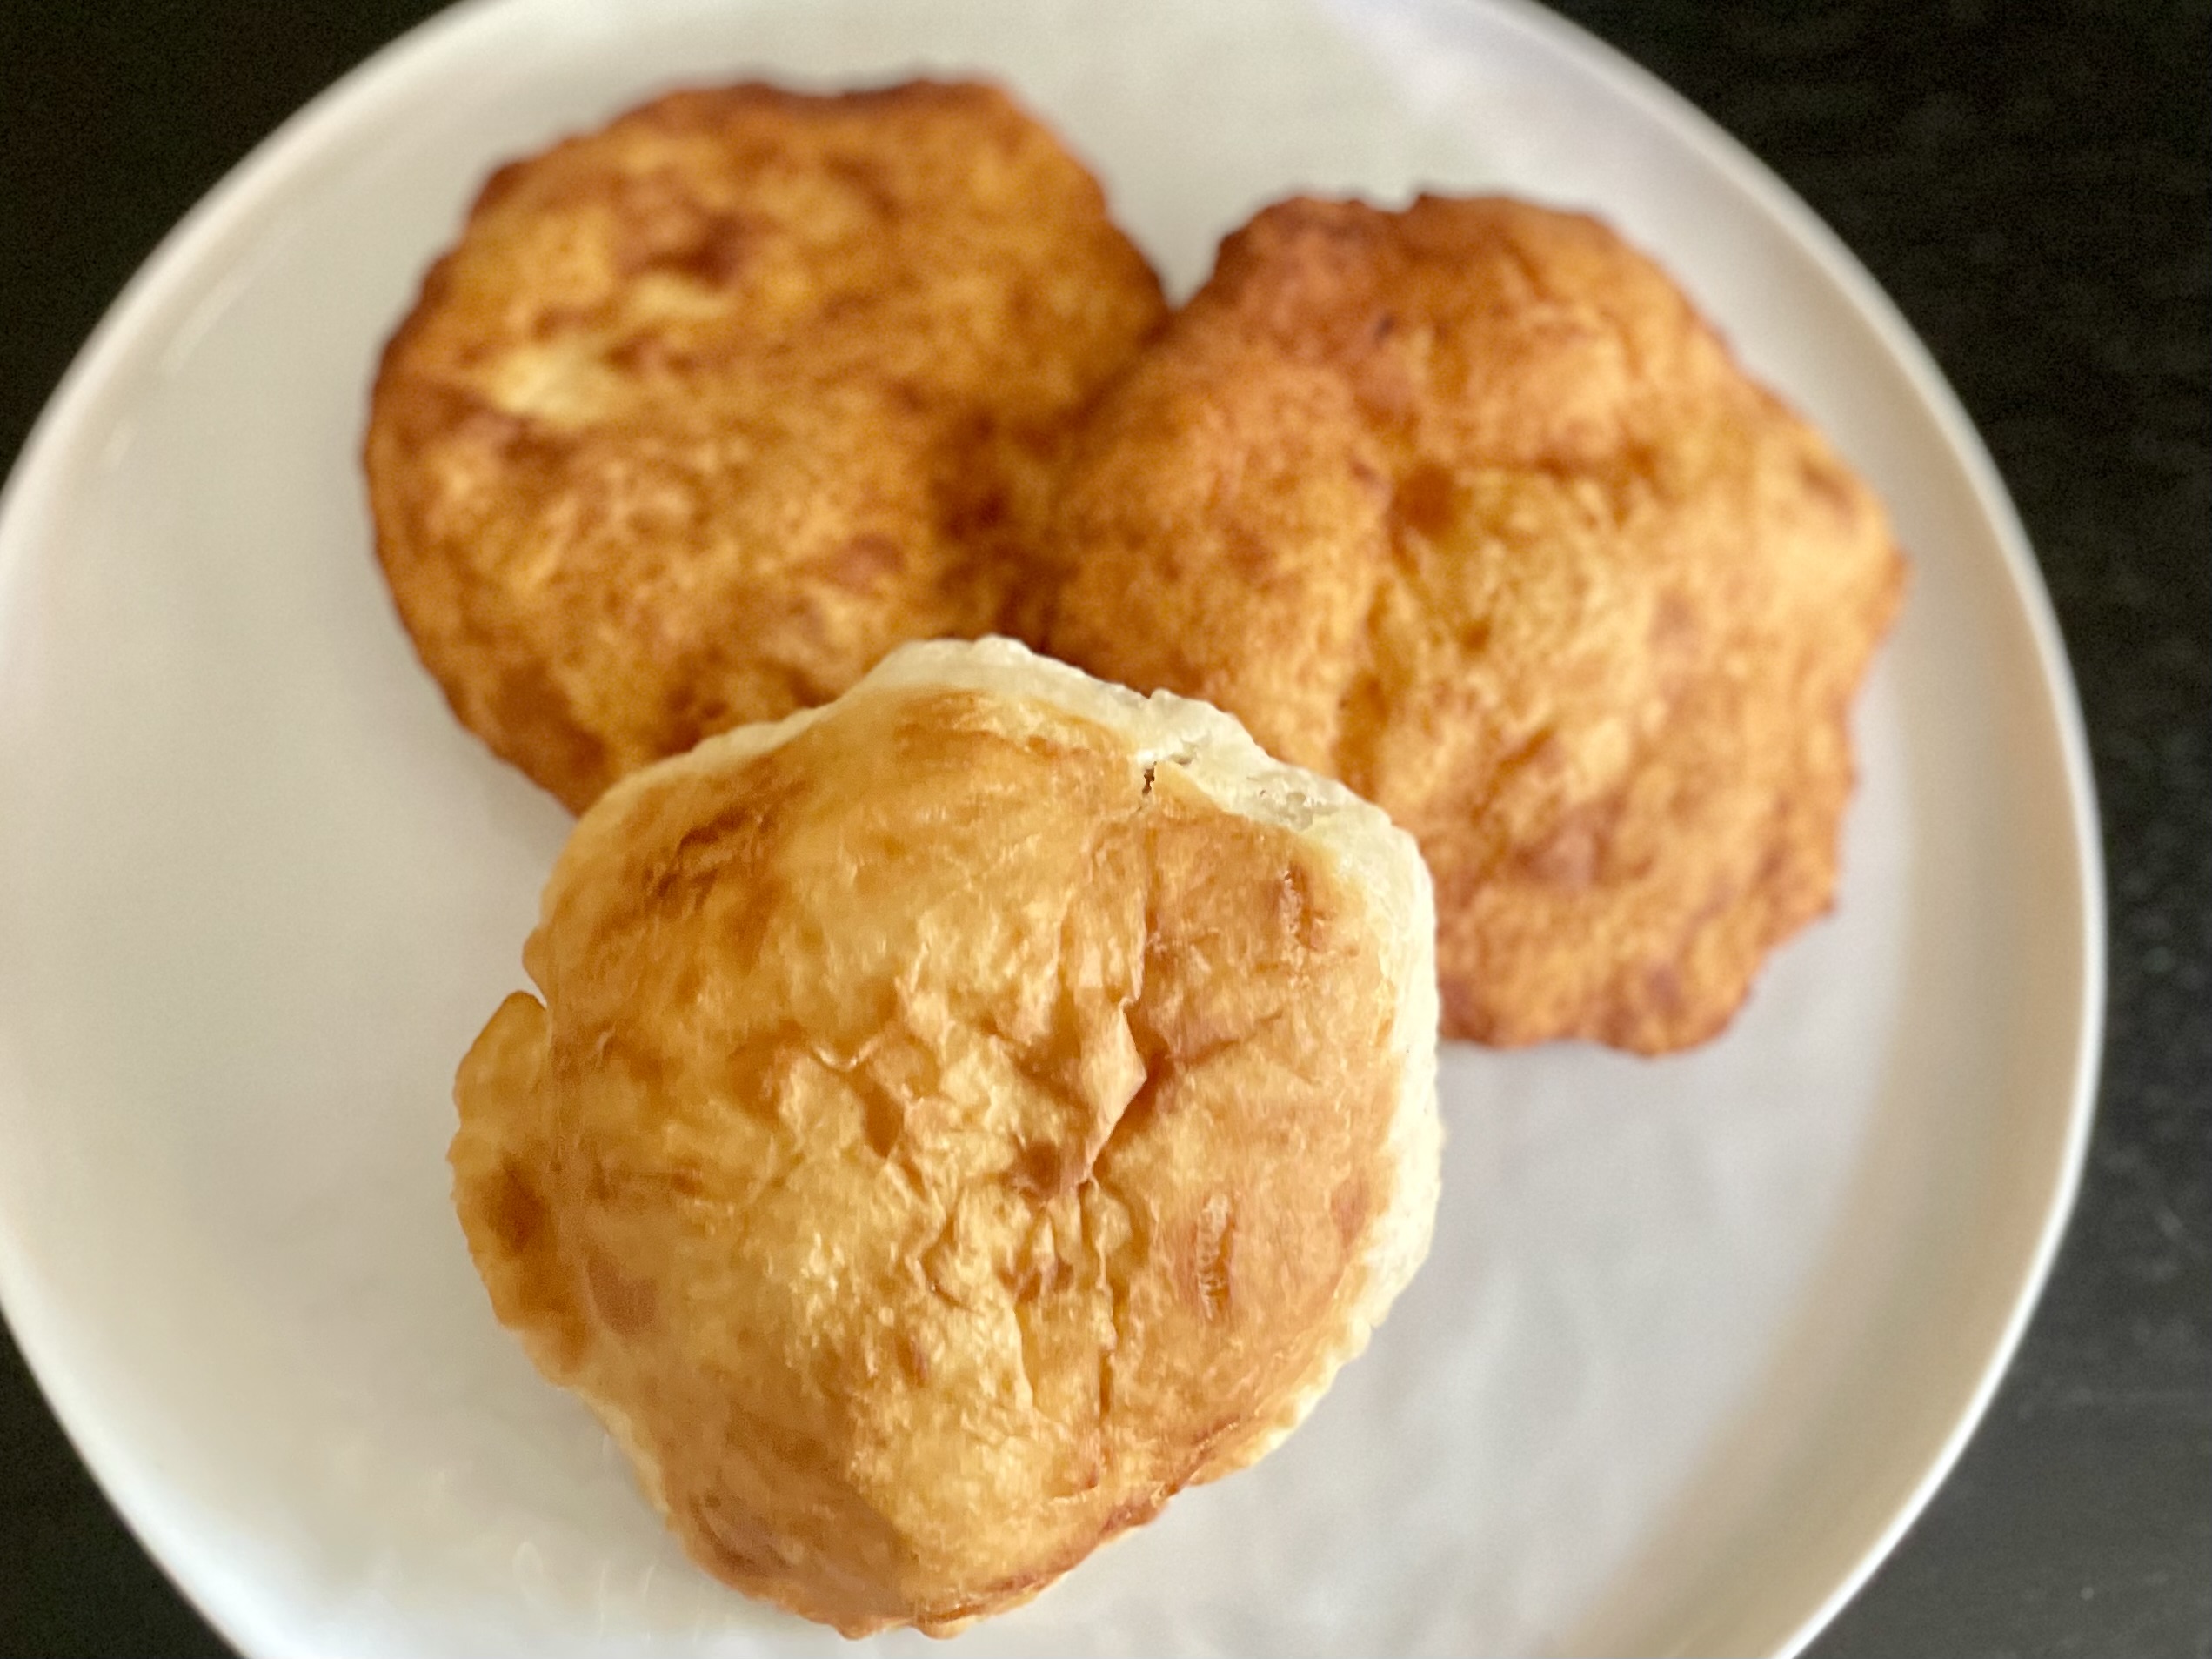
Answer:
(957, 1119)
(1465, 506)
(709, 409)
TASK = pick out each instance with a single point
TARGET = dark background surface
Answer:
(2029, 182)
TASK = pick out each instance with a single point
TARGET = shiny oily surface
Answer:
(1467, 506)
(710, 407)
(945, 1135)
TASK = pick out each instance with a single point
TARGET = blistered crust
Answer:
(709, 409)
(1465, 506)
(956, 1120)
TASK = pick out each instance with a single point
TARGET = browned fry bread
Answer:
(709, 409)
(957, 1119)
(1465, 506)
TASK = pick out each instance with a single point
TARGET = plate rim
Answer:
(269, 167)
(1736, 162)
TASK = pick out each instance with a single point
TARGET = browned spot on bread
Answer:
(865, 563)
(624, 1301)
(1423, 501)
(1348, 1207)
(515, 1213)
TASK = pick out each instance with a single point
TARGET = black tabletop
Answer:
(2029, 182)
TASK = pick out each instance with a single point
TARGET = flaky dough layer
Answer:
(1467, 506)
(709, 409)
(957, 1119)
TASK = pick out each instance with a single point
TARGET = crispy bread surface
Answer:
(1465, 506)
(708, 409)
(956, 1120)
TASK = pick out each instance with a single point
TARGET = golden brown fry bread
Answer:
(957, 1119)
(709, 409)
(1466, 507)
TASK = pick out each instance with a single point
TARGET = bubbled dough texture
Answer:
(951, 1127)
(709, 410)
(1466, 507)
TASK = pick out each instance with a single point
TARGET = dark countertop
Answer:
(2029, 181)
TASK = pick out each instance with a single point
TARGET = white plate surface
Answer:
(1698, 1336)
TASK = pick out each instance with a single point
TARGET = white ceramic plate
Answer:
(1698, 1336)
